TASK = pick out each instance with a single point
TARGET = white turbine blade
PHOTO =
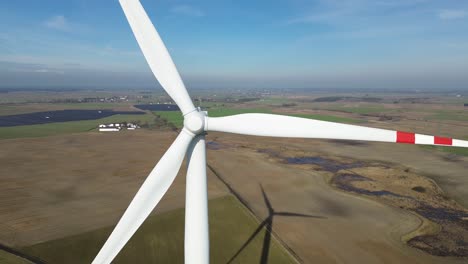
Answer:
(287, 126)
(147, 197)
(197, 245)
(156, 54)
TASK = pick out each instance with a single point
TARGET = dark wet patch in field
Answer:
(441, 214)
(326, 164)
(213, 145)
(270, 152)
(59, 116)
(348, 177)
(158, 107)
(452, 240)
(348, 142)
(345, 182)
(419, 189)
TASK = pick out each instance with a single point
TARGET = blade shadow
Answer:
(267, 202)
(254, 234)
(299, 215)
(268, 225)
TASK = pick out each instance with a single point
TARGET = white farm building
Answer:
(117, 127)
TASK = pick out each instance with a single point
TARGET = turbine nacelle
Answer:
(195, 122)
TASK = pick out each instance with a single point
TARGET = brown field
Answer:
(59, 186)
(94, 176)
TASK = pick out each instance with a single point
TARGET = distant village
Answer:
(115, 127)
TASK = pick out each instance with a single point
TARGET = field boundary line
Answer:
(247, 208)
(22, 255)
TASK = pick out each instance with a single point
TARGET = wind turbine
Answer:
(191, 140)
(268, 223)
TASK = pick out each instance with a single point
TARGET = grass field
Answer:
(446, 115)
(7, 258)
(51, 129)
(274, 101)
(362, 110)
(451, 150)
(161, 240)
(173, 117)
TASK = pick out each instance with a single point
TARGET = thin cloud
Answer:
(452, 14)
(331, 11)
(187, 10)
(49, 71)
(18, 67)
(58, 23)
(399, 3)
(108, 50)
(318, 18)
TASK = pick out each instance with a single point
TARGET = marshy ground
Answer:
(417, 213)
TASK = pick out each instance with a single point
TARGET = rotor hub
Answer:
(195, 122)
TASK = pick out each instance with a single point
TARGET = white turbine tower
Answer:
(191, 141)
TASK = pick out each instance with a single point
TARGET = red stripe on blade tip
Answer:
(443, 141)
(405, 137)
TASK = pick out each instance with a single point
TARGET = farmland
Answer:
(160, 239)
(44, 130)
(7, 258)
(65, 185)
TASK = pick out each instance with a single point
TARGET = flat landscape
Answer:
(65, 184)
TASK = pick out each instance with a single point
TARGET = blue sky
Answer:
(401, 44)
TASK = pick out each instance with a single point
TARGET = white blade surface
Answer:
(286, 126)
(197, 245)
(147, 197)
(156, 54)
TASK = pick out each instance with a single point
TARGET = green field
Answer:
(173, 117)
(451, 150)
(7, 258)
(51, 129)
(446, 115)
(362, 110)
(161, 240)
(274, 101)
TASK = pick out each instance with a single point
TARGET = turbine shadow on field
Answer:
(268, 224)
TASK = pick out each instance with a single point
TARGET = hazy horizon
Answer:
(350, 44)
